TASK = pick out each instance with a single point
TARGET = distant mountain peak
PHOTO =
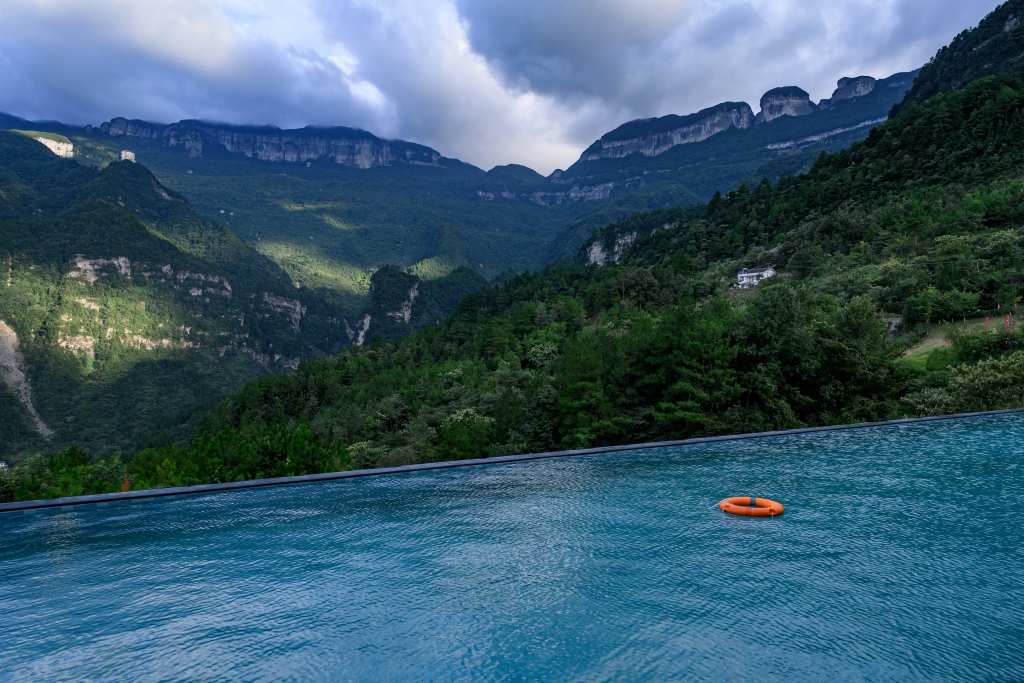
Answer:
(346, 146)
(654, 136)
(651, 137)
(788, 100)
(848, 88)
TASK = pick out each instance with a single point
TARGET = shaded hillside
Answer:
(401, 302)
(995, 45)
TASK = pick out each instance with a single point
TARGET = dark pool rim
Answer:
(148, 495)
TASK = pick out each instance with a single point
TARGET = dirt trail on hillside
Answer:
(11, 368)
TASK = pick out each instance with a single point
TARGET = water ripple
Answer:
(898, 559)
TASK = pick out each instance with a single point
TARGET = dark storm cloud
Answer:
(489, 81)
(653, 57)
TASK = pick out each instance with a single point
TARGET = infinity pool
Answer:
(900, 558)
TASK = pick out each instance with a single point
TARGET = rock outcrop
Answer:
(848, 89)
(64, 150)
(12, 370)
(347, 146)
(364, 326)
(291, 308)
(596, 254)
(785, 101)
(794, 146)
(652, 137)
(86, 268)
(77, 343)
(587, 193)
(404, 314)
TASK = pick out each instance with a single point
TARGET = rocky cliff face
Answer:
(404, 314)
(786, 101)
(651, 137)
(853, 87)
(345, 146)
(848, 89)
(12, 371)
(64, 150)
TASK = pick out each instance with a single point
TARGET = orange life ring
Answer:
(761, 507)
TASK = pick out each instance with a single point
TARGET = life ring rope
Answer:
(749, 506)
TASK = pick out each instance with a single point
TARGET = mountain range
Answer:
(153, 269)
(349, 202)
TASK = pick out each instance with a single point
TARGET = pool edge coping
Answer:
(148, 495)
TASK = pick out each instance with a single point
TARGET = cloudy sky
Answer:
(487, 81)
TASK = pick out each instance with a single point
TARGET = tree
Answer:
(689, 368)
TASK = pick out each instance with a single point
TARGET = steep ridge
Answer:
(651, 137)
(995, 45)
(691, 173)
(347, 146)
(644, 135)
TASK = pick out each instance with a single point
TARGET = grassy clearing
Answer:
(923, 357)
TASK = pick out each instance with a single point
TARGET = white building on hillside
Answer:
(751, 277)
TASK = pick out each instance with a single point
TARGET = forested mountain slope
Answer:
(125, 315)
(994, 46)
(921, 219)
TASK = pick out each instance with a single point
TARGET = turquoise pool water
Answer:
(899, 558)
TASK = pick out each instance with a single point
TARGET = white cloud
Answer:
(488, 81)
(182, 33)
(445, 94)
